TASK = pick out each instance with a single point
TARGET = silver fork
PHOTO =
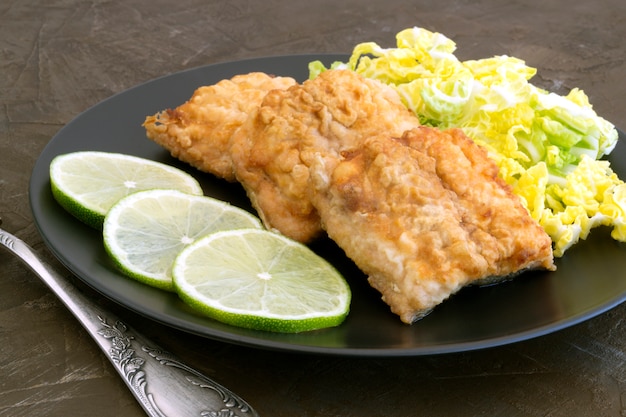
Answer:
(163, 385)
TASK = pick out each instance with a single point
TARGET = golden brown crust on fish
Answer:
(198, 132)
(425, 215)
(329, 114)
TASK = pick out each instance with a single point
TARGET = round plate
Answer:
(590, 279)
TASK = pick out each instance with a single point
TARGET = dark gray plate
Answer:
(590, 279)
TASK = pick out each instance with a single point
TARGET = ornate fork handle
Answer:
(162, 384)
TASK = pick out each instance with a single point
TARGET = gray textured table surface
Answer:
(58, 58)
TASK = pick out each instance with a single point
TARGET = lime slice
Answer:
(145, 231)
(87, 184)
(261, 280)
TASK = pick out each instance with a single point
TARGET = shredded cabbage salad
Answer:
(548, 147)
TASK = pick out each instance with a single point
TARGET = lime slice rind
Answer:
(88, 183)
(247, 278)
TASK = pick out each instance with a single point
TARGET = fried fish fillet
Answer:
(198, 132)
(330, 114)
(421, 211)
(424, 215)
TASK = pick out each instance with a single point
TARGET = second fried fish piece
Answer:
(330, 114)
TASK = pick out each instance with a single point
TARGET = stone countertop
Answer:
(60, 57)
